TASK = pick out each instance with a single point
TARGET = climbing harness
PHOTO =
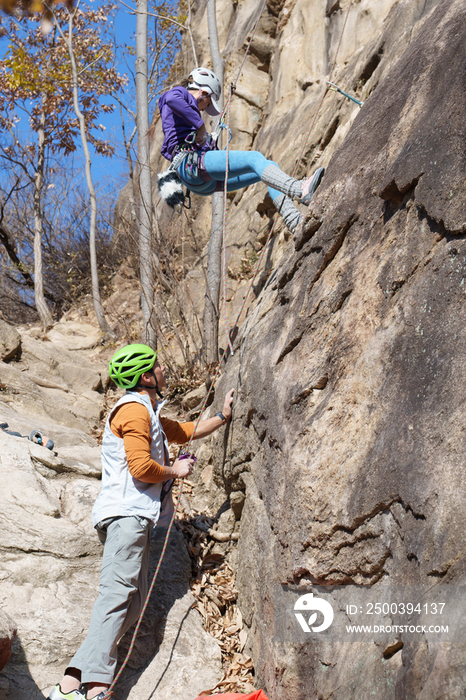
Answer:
(169, 182)
(226, 111)
(335, 88)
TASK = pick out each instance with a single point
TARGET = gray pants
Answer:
(122, 594)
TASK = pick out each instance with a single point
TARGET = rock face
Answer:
(348, 436)
(47, 380)
(10, 341)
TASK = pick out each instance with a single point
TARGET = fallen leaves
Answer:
(214, 589)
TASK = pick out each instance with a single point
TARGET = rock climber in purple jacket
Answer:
(184, 129)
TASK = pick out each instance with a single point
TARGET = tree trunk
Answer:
(99, 312)
(145, 189)
(214, 259)
(41, 305)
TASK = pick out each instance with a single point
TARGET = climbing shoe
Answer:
(56, 694)
(309, 186)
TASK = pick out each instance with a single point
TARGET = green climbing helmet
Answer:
(128, 363)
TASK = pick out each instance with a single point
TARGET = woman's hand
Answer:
(201, 136)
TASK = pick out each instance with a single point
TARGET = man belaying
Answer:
(136, 481)
(185, 134)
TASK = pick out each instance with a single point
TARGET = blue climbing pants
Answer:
(244, 168)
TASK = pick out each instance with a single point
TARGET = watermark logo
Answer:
(376, 613)
(308, 603)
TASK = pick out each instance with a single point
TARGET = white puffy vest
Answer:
(121, 493)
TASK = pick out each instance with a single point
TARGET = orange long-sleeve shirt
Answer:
(132, 423)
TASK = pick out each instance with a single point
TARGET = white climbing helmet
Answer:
(205, 79)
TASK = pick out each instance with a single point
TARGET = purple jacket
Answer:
(180, 117)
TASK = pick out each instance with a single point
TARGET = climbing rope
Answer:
(232, 88)
(253, 33)
(226, 111)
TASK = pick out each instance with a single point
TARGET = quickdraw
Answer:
(192, 164)
(335, 88)
(221, 125)
(189, 143)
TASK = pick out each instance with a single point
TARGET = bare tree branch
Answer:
(152, 14)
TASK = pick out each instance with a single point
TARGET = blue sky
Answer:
(125, 28)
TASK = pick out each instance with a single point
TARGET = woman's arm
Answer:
(189, 113)
(176, 100)
(201, 135)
